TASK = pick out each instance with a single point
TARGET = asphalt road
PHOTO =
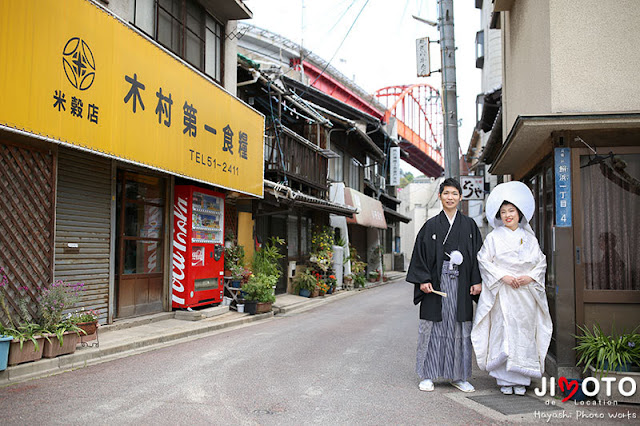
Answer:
(347, 362)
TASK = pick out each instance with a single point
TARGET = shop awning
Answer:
(371, 213)
(394, 216)
(528, 139)
(299, 198)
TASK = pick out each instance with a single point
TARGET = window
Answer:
(354, 174)
(480, 49)
(185, 28)
(292, 236)
(479, 105)
(336, 170)
(141, 205)
(611, 208)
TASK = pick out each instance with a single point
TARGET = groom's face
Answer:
(450, 197)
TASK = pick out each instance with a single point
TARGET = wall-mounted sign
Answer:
(77, 75)
(562, 166)
(472, 187)
(423, 61)
(394, 166)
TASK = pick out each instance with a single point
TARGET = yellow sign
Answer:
(72, 72)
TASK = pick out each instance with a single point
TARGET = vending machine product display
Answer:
(198, 247)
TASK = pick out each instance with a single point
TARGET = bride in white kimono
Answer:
(512, 326)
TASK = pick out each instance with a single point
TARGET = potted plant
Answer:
(614, 355)
(61, 340)
(26, 344)
(304, 283)
(359, 280)
(237, 275)
(259, 293)
(87, 321)
(322, 288)
(233, 258)
(374, 276)
(5, 343)
(348, 281)
(321, 254)
(267, 260)
(332, 282)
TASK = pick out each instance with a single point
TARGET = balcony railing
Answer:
(289, 154)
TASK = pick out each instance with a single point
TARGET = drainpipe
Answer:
(256, 76)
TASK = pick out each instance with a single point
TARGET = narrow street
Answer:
(348, 362)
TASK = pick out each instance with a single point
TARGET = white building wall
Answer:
(420, 202)
(492, 70)
(595, 56)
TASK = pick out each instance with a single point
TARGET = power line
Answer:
(341, 43)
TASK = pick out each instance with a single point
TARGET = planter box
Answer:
(28, 352)
(304, 292)
(615, 394)
(263, 307)
(53, 349)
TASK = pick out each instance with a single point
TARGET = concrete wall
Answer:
(229, 73)
(595, 55)
(562, 58)
(526, 69)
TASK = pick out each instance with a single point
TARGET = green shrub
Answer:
(259, 288)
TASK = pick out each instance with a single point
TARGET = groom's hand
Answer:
(426, 287)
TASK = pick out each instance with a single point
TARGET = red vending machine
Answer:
(198, 247)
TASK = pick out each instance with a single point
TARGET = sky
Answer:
(379, 49)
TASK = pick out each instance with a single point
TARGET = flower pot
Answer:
(304, 292)
(321, 293)
(263, 307)
(52, 347)
(28, 353)
(236, 283)
(240, 307)
(250, 307)
(315, 293)
(579, 395)
(227, 272)
(88, 327)
(5, 342)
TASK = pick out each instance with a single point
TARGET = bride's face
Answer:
(509, 216)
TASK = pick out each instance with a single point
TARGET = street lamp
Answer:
(449, 95)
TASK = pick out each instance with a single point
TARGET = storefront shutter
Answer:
(83, 226)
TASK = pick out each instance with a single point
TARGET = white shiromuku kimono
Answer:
(512, 327)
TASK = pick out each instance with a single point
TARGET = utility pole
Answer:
(448, 94)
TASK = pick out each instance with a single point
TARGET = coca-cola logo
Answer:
(179, 250)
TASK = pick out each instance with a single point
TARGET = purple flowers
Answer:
(4, 281)
(631, 344)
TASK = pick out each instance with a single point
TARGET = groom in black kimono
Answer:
(444, 344)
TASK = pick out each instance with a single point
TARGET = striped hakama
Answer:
(444, 348)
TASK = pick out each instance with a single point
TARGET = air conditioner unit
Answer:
(367, 173)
